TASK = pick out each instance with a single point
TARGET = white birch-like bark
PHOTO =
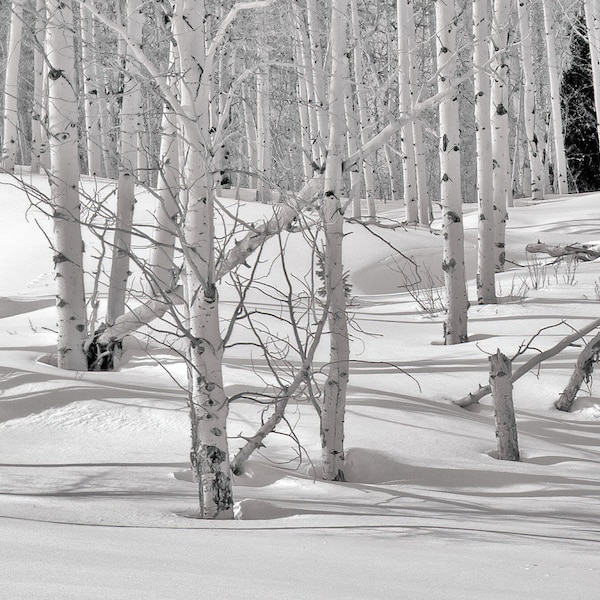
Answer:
(406, 25)
(318, 78)
(486, 272)
(263, 116)
(560, 158)
(504, 412)
(334, 392)
(207, 398)
(455, 326)
(364, 119)
(534, 145)
(39, 143)
(500, 125)
(592, 21)
(251, 140)
(131, 123)
(63, 117)
(90, 92)
(353, 146)
(11, 88)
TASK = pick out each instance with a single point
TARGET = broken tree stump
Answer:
(504, 412)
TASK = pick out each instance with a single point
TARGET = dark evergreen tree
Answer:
(579, 114)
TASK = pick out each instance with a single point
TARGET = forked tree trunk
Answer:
(455, 326)
(207, 399)
(11, 89)
(63, 118)
(534, 145)
(334, 393)
(486, 272)
(504, 412)
(131, 123)
(560, 158)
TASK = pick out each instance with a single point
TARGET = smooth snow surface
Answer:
(96, 499)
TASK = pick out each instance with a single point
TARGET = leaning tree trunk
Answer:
(486, 272)
(11, 89)
(131, 122)
(455, 326)
(334, 393)
(560, 158)
(207, 399)
(63, 118)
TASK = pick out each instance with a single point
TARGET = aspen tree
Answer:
(560, 159)
(63, 117)
(486, 287)
(407, 143)
(38, 134)
(592, 20)
(500, 124)
(453, 264)
(334, 393)
(131, 122)
(530, 108)
(11, 88)
(263, 112)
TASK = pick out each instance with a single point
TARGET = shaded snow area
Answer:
(96, 498)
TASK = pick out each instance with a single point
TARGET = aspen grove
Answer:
(324, 112)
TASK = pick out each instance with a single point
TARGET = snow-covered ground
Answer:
(96, 499)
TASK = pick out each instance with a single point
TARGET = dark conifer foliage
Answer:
(579, 114)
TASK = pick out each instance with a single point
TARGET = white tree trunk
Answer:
(208, 402)
(504, 412)
(63, 117)
(353, 135)
(406, 25)
(263, 116)
(530, 108)
(455, 326)
(486, 272)
(560, 159)
(592, 20)
(11, 89)
(131, 123)
(38, 134)
(500, 125)
(90, 91)
(334, 393)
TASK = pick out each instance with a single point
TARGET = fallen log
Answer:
(583, 252)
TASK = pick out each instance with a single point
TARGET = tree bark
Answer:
(10, 135)
(63, 119)
(584, 367)
(455, 326)
(504, 412)
(486, 272)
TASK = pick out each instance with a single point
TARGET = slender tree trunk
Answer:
(263, 116)
(530, 101)
(500, 125)
(208, 402)
(90, 91)
(38, 135)
(455, 326)
(486, 277)
(334, 394)
(409, 169)
(592, 21)
(353, 146)
(11, 88)
(131, 123)
(63, 117)
(560, 158)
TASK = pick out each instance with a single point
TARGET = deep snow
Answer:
(96, 499)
